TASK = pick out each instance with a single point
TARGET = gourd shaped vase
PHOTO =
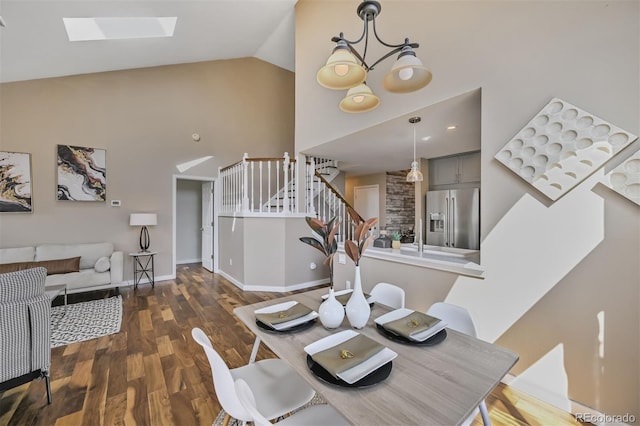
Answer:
(331, 311)
(358, 309)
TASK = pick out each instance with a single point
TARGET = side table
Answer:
(143, 267)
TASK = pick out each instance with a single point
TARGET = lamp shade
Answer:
(359, 99)
(143, 219)
(407, 75)
(342, 70)
(414, 175)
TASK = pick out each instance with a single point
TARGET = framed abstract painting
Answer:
(15, 182)
(82, 173)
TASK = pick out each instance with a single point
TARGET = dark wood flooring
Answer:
(153, 373)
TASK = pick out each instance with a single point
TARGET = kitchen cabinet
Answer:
(464, 168)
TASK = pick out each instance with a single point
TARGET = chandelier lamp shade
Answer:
(144, 220)
(414, 175)
(359, 99)
(347, 69)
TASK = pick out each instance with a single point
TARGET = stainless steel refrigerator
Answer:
(453, 218)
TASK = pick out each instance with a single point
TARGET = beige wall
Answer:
(266, 252)
(144, 119)
(551, 267)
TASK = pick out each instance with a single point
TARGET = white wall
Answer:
(551, 267)
(188, 221)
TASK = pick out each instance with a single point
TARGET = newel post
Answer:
(245, 183)
(285, 195)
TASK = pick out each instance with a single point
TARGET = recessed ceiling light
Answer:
(451, 128)
(88, 29)
(425, 138)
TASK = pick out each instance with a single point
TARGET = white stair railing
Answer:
(260, 185)
(270, 186)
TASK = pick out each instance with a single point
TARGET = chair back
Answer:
(222, 378)
(456, 317)
(248, 401)
(389, 295)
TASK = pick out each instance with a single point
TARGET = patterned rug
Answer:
(86, 320)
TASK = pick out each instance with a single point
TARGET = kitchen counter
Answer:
(458, 261)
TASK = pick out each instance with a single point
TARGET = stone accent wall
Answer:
(400, 201)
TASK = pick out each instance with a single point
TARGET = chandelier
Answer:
(346, 68)
(414, 175)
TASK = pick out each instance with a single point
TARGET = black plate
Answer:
(433, 340)
(293, 329)
(370, 379)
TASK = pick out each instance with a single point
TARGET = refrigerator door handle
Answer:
(446, 221)
(453, 222)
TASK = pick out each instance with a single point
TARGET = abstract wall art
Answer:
(15, 182)
(561, 146)
(625, 179)
(82, 173)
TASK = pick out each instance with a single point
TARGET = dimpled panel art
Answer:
(561, 146)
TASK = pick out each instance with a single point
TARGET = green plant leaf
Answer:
(317, 225)
(314, 243)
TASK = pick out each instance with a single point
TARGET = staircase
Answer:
(281, 187)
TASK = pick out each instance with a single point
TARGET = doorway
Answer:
(193, 221)
(366, 201)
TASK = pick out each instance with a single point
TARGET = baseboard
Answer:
(129, 283)
(185, 261)
(272, 288)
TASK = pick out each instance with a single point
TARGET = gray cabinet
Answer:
(456, 169)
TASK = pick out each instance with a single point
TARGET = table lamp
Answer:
(144, 220)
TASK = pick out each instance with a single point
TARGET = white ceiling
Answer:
(34, 42)
(34, 45)
(388, 146)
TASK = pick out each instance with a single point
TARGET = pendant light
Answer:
(414, 175)
(347, 68)
(359, 99)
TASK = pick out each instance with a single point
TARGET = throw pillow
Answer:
(102, 264)
(56, 266)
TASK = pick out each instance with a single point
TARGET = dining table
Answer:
(439, 384)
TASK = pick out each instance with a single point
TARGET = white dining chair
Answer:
(459, 319)
(388, 294)
(314, 415)
(278, 388)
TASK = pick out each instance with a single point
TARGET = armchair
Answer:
(25, 329)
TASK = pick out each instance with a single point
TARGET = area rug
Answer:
(86, 320)
(219, 420)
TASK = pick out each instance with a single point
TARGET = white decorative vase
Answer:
(358, 309)
(331, 312)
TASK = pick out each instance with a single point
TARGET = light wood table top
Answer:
(429, 385)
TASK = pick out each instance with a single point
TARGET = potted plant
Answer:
(357, 308)
(331, 311)
(395, 242)
(327, 243)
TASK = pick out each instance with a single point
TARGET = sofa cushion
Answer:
(56, 266)
(85, 279)
(103, 264)
(18, 254)
(89, 253)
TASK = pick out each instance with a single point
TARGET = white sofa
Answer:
(100, 266)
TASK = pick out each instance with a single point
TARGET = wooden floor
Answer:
(153, 373)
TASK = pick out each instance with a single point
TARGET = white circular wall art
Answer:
(561, 146)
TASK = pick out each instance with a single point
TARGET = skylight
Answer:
(87, 29)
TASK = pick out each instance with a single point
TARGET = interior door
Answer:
(366, 201)
(207, 226)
